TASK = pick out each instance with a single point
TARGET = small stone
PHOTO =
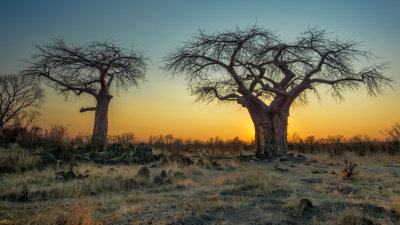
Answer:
(305, 205)
(50, 158)
(179, 175)
(158, 180)
(208, 217)
(191, 220)
(163, 174)
(357, 220)
(144, 172)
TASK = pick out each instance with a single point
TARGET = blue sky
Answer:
(155, 27)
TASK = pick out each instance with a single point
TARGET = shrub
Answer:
(350, 170)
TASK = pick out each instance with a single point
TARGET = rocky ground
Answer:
(128, 185)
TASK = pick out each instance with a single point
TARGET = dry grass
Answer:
(213, 197)
(193, 171)
(186, 183)
(136, 197)
(18, 160)
(260, 181)
(101, 179)
(80, 214)
(245, 193)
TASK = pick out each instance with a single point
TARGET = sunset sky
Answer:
(162, 104)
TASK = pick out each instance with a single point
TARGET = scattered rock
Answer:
(375, 210)
(159, 157)
(200, 162)
(49, 158)
(318, 172)
(312, 180)
(179, 175)
(305, 205)
(215, 164)
(229, 192)
(148, 156)
(302, 157)
(143, 153)
(131, 183)
(208, 217)
(144, 172)
(194, 220)
(187, 161)
(163, 174)
(162, 178)
(158, 180)
(355, 220)
(346, 190)
(64, 176)
(283, 170)
(22, 196)
(191, 220)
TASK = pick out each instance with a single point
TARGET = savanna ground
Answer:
(197, 188)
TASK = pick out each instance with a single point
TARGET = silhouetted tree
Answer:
(26, 119)
(88, 69)
(264, 74)
(393, 136)
(17, 96)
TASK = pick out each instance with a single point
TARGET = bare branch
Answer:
(17, 94)
(87, 109)
(254, 62)
(82, 69)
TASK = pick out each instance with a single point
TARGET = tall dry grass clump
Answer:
(81, 214)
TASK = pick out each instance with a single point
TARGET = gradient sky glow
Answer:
(163, 105)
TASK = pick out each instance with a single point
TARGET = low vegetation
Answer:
(58, 179)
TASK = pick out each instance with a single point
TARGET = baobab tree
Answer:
(88, 69)
(266, 75)
(18, 97)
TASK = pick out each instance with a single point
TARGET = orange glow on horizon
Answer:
(145, 113)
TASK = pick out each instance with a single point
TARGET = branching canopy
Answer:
(18, 95)
(227, 66)
(85, 69)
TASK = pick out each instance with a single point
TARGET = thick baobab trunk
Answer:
(1, 129)
(100, 129)
(270, 129)
(271, 134)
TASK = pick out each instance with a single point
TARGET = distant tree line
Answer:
(57, 136)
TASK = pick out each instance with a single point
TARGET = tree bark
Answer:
(1, 130)
(100, 129)
(270, 129)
